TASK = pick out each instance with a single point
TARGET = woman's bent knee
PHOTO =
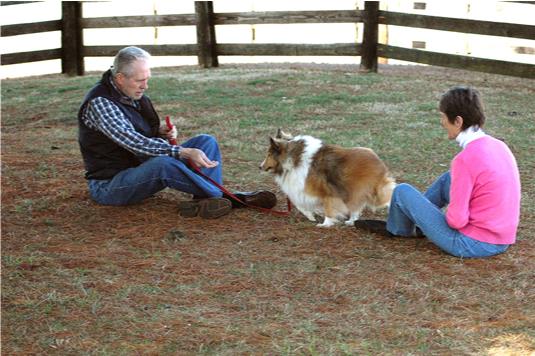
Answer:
(404, 194)
(403, 189)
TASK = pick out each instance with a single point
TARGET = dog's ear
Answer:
(283, 135)
(276, 144)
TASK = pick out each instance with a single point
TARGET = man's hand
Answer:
(197, 157)
(168, 134)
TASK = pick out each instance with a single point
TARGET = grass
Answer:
(78, 278)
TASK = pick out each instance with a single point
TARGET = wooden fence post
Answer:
(72, 60)
(368, 61)
(206, 42)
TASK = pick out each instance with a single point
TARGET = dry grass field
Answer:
(84, 279)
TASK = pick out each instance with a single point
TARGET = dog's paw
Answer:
(352, 218)
(349, 222)
(328, 222)
(310, 216)
(324, 225)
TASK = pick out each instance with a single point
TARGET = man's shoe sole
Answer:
(210, 208)
(263, 199)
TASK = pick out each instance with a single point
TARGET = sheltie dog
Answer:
(328, 180)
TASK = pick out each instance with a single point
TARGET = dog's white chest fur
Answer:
(293, 179)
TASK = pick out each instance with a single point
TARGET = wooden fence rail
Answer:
(458, 25)
(207, 50)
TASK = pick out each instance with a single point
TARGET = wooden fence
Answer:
(73, 51)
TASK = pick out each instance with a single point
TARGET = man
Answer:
(126, 152)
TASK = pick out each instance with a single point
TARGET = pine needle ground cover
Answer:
(82, 279)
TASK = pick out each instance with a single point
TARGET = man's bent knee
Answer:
(161, 160)
(161, 163)
(206, 137)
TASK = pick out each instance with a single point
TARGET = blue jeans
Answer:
(410, 208)
(157, 173)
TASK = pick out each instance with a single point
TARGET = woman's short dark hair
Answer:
(464, 102)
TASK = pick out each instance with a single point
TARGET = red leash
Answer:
(170, 127)
(225, 190)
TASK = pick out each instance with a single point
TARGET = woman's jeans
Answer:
(135, 184)
(410, 208)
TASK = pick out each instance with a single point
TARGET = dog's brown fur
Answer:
(341, 181)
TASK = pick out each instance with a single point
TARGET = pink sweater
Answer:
(485, 192)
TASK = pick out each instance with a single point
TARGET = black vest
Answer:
(102, 157)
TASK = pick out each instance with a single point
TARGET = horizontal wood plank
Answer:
(155, 50)
(229, 49)
(457, 25)
(32, 56)
(456, 61)
(288, 49)
(27, 28)
(139, 21)
(287, 17)
(9, 3)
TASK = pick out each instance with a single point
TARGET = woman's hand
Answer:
(197, 157)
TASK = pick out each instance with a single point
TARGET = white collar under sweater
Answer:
(470, 134)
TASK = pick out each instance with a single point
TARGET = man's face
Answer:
(135, 84)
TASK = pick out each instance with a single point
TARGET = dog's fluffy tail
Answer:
(383, 192)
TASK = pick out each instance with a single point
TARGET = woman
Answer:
(481, 191)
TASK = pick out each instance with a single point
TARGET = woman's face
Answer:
(452, 129)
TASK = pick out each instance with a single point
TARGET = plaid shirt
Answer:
(103, 115)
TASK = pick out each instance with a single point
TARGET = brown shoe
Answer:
(260, 198)
(209, 208)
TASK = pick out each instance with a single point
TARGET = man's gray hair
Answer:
(122, 63)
